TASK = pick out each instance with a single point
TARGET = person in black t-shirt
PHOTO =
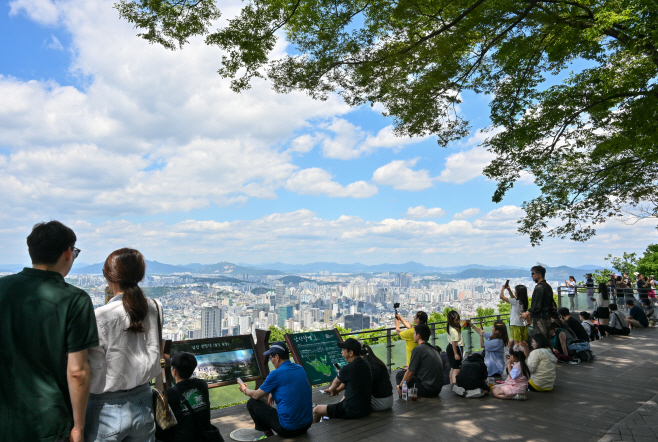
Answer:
(356, 379)
(190, 427)
(425, 367)
(382, 389)
(573, 324)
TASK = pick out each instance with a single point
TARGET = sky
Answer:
(132, 145)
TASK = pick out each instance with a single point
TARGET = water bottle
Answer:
(404, 391)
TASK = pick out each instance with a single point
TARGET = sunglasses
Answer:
(76, 251)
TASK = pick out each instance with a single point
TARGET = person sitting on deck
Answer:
(589, 326)
(190, 402)
(516, 384)
(356, 379)
(382, 389)
(649, 311)
(541, 363)
(408, 334)
(573, 324)
(425, 368)
(617, 325)
(494, 344)
(636, 316)
(472, 379)
(561, 337)
(289, 388)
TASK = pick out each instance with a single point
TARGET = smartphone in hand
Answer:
(507, 283)
(240, 381)
(337, 365)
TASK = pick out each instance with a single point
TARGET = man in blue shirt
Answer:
(289, 388)
(636, 316)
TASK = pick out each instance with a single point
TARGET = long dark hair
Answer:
(502, 333)
(603, 290)
(520, 356)
(127, 267)
(370, 356)
(522, 296)
(453, 321)
(541, 340)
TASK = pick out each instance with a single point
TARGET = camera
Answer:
(396, 306)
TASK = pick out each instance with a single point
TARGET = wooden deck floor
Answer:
(588, 399)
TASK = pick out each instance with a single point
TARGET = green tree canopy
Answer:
(588, 141)
(624, 264)
(648, 264)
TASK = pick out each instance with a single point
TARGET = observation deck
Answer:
(611, 399)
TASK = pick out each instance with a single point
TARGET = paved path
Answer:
(611, 399)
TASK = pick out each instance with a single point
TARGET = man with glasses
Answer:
(46, 326)
(542, 302)
(288, 387)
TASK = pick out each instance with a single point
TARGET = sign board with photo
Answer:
(317, 352)
(221, 360)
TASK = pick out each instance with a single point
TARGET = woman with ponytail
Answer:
(128, 355)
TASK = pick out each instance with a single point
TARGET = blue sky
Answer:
(133, 145)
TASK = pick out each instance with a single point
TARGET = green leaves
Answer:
(589, 142)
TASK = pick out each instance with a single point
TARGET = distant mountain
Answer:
(357, 267)
(227, 268)
(193, 266)
(589, 267)
(293, 279)
(552, 273)
(152, 267)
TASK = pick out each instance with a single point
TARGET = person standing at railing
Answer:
(518, 302)
(47, 327)
(602, 304)
(589, 283)
(571, 291)
(542, 302)
(408, 334)
(455, 345)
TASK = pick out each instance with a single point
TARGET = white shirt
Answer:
(515, 312)
(571, 290)
(123, 360)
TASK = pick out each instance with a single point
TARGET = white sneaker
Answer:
(474, 393)
(458, 390)
(520, 397)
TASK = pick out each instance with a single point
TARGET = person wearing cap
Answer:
(356, 379)
(288, 388)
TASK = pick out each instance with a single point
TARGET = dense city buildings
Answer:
(205, 306)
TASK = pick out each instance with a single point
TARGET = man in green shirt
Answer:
(46, 327)
(408, 334)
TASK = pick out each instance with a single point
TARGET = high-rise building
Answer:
(327, 316)
(357, 321)
(403, 280)
(280, 291)
(211, 322)
(285, 313)
(245, 324)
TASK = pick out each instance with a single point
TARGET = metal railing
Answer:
(387, 333)
(581, 299)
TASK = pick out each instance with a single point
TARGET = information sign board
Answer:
(317, 352)
(221, 360)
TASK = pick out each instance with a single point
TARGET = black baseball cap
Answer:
(351, 344)
(277, 348)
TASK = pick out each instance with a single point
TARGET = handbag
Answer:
(164, 417)
(211, 434)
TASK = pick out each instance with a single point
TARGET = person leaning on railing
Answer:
(408, 334)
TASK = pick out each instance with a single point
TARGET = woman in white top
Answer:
(571, 291)
(602, 304)
(128, 356)
(519, 304)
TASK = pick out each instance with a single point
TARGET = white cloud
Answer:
(399, 174)
(464, 214)
(420, 212)
(55, 44)
(304, 143)
(464, 166)
(349, 141)
(42, 11)
(316, 181)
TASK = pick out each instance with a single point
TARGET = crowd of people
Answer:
(85, 374)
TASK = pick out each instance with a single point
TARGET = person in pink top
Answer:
(516, 384)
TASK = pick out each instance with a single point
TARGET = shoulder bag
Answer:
(164, 417)
(212, 433)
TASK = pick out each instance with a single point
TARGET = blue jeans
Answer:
(121, 416)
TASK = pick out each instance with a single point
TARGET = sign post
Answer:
(317, 352)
